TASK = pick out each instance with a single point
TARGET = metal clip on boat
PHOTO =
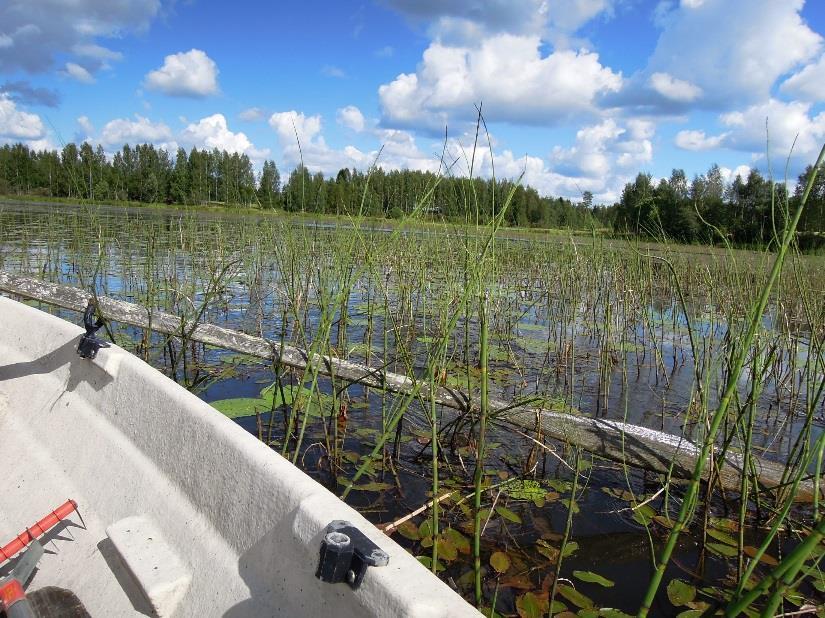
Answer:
(89, 343)
(346, 553)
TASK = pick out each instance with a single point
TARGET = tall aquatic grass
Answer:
(754, 322)
(582, 324)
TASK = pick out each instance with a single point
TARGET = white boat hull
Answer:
(123, 441)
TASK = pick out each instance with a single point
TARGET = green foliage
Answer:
(747, 212)
(530, 605)
(508, 514)
(500, 561)
(523, 489)
(680, 592)
(593, 578)
(270, 398)
(144, 173)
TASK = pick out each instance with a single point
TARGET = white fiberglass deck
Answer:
(240, 527)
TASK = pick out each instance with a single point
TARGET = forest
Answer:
(746, 211)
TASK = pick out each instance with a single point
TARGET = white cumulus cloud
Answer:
(35, 32)
(213, 132)
(697, 140)
(729, 174)
(398, 148)
(809, 83)
(509, 73)
(351, 117)
(602, 148)
(463, 21)
(673, 88)
(786, 123)
(292, 124)
(734, 50)
(252, 114)
(16, 124)
(550, 182)
(75, 71)
(187, 74)
(141, 130)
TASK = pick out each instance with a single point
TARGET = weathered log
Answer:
(621, 442)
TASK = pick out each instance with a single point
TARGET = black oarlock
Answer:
(346, 553)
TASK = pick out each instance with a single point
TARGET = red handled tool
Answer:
(13, 601)
(8, 551)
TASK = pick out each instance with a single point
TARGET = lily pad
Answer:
(409, 531)
(500, 561)
(531, 605)
(427, 561)
(269, 397)
(680, 592)
(571, 548)
(520, 489)
(241, 406)
(461, 542)
(446, 548)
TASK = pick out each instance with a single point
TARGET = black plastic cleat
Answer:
(346, 553)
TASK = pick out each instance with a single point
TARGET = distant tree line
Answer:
(697, 210)
(749, 211)
(145, 173)
(141, 173)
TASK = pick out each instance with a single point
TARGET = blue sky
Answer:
(578, 94)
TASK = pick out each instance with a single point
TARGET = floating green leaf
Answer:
(721, 536)
(270, 397)
(408, 530)
(447, 549)
(500, 561)
(373, 486)
(722, 549)
(530, 605)
(508, 514)
(467, 579)
(546, 550)
(570, 504)
(519, 489)
(461, 542)
(241, 406)
(241, 359)
(570, 549)
(724, 524)
(426, 528)
(427, 561)
(520, 582)
(680, 592)
(574, 596)
(609, 612)
(593, 578)
(560, 486)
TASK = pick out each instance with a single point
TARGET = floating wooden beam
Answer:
(621, 442)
